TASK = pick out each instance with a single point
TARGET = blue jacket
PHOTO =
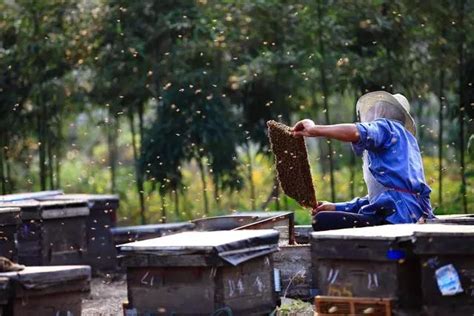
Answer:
(394, 160)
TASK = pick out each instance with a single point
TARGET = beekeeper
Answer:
(392, 165)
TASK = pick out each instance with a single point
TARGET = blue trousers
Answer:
(338, 220)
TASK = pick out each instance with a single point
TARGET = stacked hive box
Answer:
(44, 291)
(52, 232)
(368, 262)
(447, 268)
(200, 272)
(9, 223)
(101, 253)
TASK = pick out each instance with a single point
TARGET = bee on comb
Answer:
(291, 160)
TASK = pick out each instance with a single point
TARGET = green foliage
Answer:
(145, 98)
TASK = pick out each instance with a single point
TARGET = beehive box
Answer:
(52, 232)
(446, 248)
(198, 273)
(9, 223)
(367, 262)
(126, 234)
(44, 291)
(101, 252)
(293, 265)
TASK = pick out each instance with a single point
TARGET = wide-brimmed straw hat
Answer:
(368, 100)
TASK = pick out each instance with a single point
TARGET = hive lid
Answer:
(462, 219)
(28, 195)
(32, 209)
(153, 228)
(439, 239)
(384, 232)
(442, 230)
(41, 277)
(93, 200)
(234, 247)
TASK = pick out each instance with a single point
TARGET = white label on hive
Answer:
(448, 280)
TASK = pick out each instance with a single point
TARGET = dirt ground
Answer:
(107, 296)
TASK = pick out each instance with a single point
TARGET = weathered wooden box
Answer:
(126, 234)
(44, 291)
(101, 252)
(367, 262)
(9, 223)
(438, 246)
(293, 265)
(52, 232)
(198, 273)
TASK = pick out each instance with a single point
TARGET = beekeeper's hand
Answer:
(323, 206)
(304, 127)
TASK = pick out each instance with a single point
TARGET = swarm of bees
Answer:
(291, 160)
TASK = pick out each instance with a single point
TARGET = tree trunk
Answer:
(461, 104)
(324, 86)
(203, 182)
(250, 178)
(176, 204)
(2, 171)
(58, 152)
(112, 144)
(42, 143)
(163, 205)
(50, 161)
(440, 136)
(217, 197)
(138, 176)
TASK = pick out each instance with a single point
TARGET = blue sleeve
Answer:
(352, 206)
(375, 135)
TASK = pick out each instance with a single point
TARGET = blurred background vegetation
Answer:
(165, 102)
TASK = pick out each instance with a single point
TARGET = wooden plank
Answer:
(382, 232)
(197, 242)
(352, 306)
(37, 276)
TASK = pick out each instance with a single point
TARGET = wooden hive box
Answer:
(9, 223)
(44, 291)
(52, 232)
(367, 262)
(438, 246)
(293, 264)
(198, 273)
(101, 252)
